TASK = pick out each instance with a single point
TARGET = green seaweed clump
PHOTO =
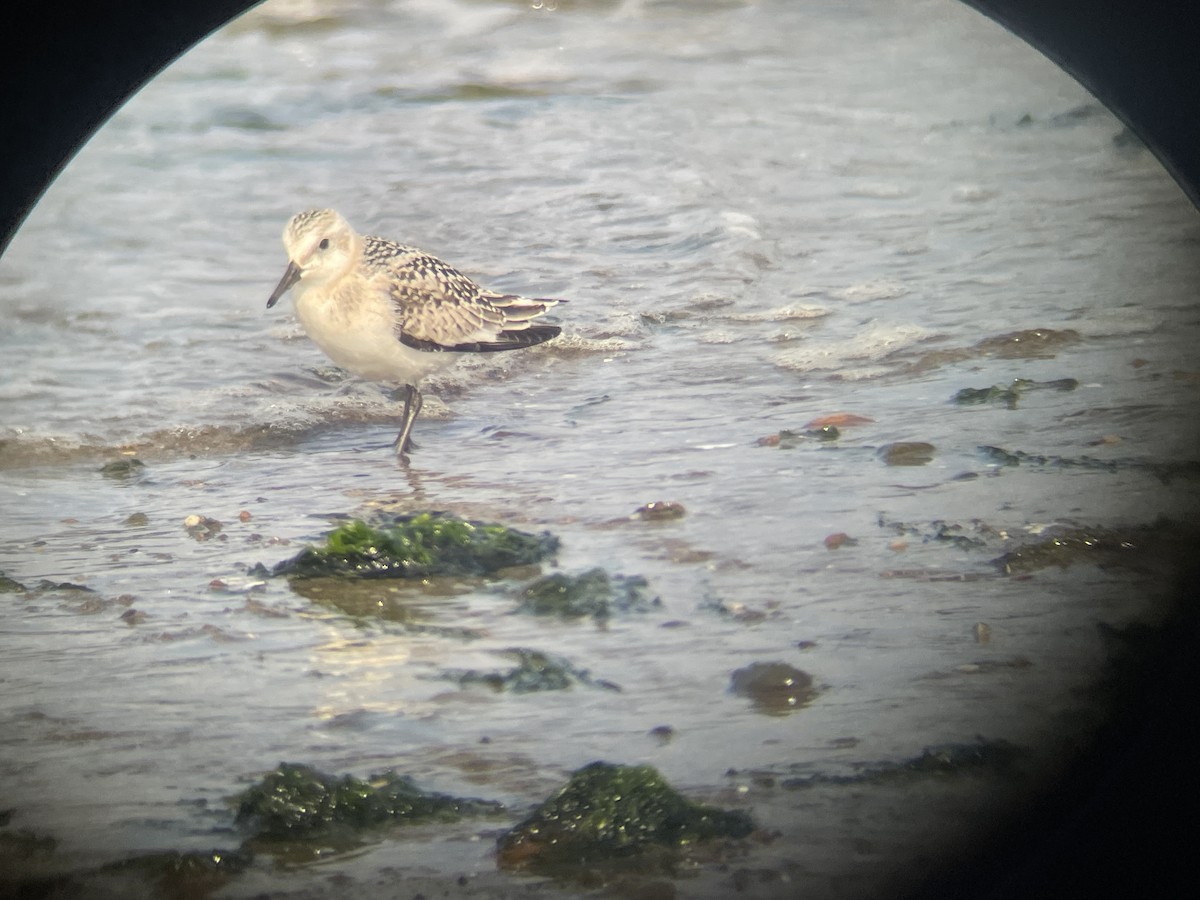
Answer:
(1010, 394)
(419, 546)
(593, 593)
(298, 801)
(608, 812)
(535, 671)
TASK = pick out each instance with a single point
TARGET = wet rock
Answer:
(610, 812)
(298, 801)
(47, 586)
(664, 734)
(192, 875)
(1010, 394)
(840, 539)
(419, 546)
(966, 535)
(9, 586)
(24, 844)
(838, 420)
(660, 511)
(1165, 472)
(774, 688)
(124, 469)
(136, 520)
(330, 374)
(1031, 343)
(1135, 546)
(787, 440)
(258, 608)
(133, 616)
(907, 453)
(740, 612)
(535, 671)
(992, 757)
(593, 593)
(202, 527)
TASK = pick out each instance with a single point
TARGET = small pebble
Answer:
(833, 541)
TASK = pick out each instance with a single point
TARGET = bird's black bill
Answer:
(290, 277)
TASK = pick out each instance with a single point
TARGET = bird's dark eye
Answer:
(324, 245)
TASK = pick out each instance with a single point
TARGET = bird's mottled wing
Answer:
(437, 307)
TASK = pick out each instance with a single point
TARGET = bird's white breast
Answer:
(355, 326)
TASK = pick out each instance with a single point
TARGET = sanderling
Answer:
(391, 313)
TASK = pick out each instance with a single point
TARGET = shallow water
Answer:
(761, 213)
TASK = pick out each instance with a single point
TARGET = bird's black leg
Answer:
(412, 409)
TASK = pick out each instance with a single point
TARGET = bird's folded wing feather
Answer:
(439, 308)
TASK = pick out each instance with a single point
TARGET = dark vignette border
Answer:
(1124, 824)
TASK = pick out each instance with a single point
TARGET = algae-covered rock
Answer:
(1014, 458)
(981, 757)
(968, 534)
(593, 593)
(10, 586)
(535, 671)
(1063, 547)
(419, 546)
(124, 469)
(788, 439)
(298, 801)
(193, 874)
(608, 812)
(1010, 394)
(1166, 472)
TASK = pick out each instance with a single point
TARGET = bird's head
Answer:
(320, 245)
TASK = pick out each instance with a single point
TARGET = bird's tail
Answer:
(520, 311)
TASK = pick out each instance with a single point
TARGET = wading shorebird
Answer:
(391, 313)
